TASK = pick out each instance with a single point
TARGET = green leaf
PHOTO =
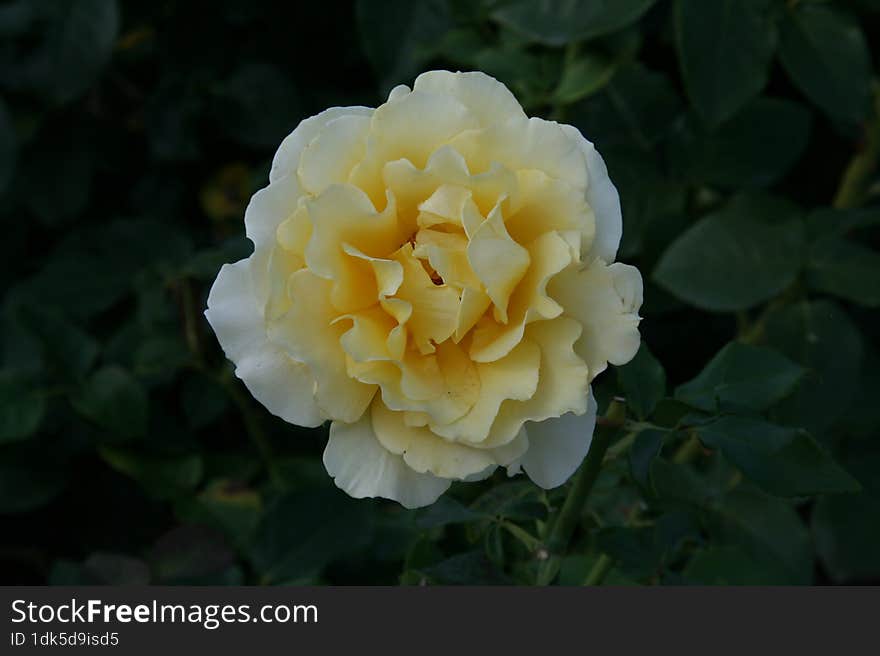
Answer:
(8, 148)
(769, 530)
(241, 101)
(782, 461)
(79, 46)
(844, 526)
(821, 337)
(304, 531)
(741, 376)
(724, 50)
(584, 76)
(755, 148)
(826, 54)
(636, 108)
(471, 568)
(828, 221)
(633, 549)
(557, 22)
(517, 500)
(726, 565)
(162, 476)
(186, 554)
(204, 400)
(22, 407)
(29, 477)
(645, 448)
(846, 269)
(114, 400)
(447, 510)
(229, 507)
(66, 345)
(677, 485)
(737, 257)
(397, 35)
(643, 382)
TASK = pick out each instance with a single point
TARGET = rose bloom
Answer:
(435, 277)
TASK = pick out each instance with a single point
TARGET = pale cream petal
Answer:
(284, 386)
(487, 98)
(511, 452)
(265, 212)
(603, 198)
(557, 446)
(424, 451)
(308, 333)
(362, 467)
(333, 152)
(294, 232)
(287, 156)
(605, 300)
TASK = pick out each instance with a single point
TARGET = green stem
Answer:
(569, 515)
(599, 571)
(851, 191)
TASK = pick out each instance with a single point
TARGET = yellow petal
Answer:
(514, 376)
(424, 451)
(605, 300)
(498, 261)
(434, 307)
(549, 254)
(308, 334)
(563, 384)
(344, 215)
(333, 153)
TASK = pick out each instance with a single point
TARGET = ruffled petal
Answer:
(283, 385)
(362, 467)
(308, 333)
(424, 451)
(605, 300)
(563, 385)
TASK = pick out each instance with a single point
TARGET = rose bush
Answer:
(437, 278)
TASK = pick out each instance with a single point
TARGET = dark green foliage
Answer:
(743, 138)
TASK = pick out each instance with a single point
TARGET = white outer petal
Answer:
(284, 386)
(603, 198)
(558, 446)
(286, 158)
(362, 467)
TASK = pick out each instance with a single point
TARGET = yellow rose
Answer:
(435, 277)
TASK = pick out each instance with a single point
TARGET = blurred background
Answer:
(132, 135)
